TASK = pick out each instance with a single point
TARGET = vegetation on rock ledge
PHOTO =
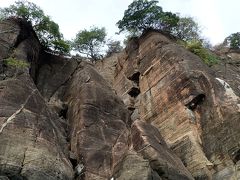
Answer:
(16, 63)
(197, 48)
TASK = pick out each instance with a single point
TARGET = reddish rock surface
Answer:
(98, 123)
(196, 108)
(147, 141)
(60, 119)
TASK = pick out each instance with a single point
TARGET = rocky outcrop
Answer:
(196, 108)
(33, 144)
(98, 123)
(147, 141)
(156, 110)
(59, 119)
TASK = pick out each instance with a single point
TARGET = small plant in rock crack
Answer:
(17, 63)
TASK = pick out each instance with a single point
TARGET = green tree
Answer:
(89, 42)
(233, 41)
(113, 47)
(143, 14)
(187, 29)
(46, 29)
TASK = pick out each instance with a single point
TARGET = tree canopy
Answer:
(113, 47)
(187, 29)
(89, 42)
(233, 41)
(144, 14)
(46, 29)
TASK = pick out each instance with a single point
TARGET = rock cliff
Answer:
(154, 111)
(196, 108)
(60, 119)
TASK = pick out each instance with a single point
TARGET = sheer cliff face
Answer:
(196, 109)
(32, 142)
(59, 119)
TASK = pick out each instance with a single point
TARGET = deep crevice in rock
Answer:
(131, 108)
(135, 77)
(134, 92)
(195, 102)
(63, 112)
(236, 157)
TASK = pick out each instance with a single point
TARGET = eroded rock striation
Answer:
(153, 111)
(60, 119)
(32, 139)
(196, 108)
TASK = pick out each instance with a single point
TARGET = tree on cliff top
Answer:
(143, 14)
(46, 29)
(89, 42)
(233, 41)
(113, 47)
(187, 29)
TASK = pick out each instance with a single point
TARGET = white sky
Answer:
(219, 18)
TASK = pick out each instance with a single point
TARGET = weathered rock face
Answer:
(59, 119)
(107, 67)
(134, 167)
(33, 144)
(147, 141)
(98, 123)
(195, 108)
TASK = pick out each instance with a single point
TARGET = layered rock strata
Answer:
(33, 144)
(196, 108)
(59, 119)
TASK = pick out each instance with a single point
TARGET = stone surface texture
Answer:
(60, 119)
(153, 111)
(195, 107)
(32, 139)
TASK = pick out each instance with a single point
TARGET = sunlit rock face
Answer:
(196, 108)
(153, 111)
(60, 119)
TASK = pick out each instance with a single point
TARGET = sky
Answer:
(217, 18)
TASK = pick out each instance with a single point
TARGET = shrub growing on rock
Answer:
(196, 47)
(13, 62)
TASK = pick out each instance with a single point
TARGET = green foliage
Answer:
(89, 42)
(61, 46)
(143, 14)
(113, 47)
(233, 40)
(187, 29)
(46, 29)
(16, 63)
(196, 47)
